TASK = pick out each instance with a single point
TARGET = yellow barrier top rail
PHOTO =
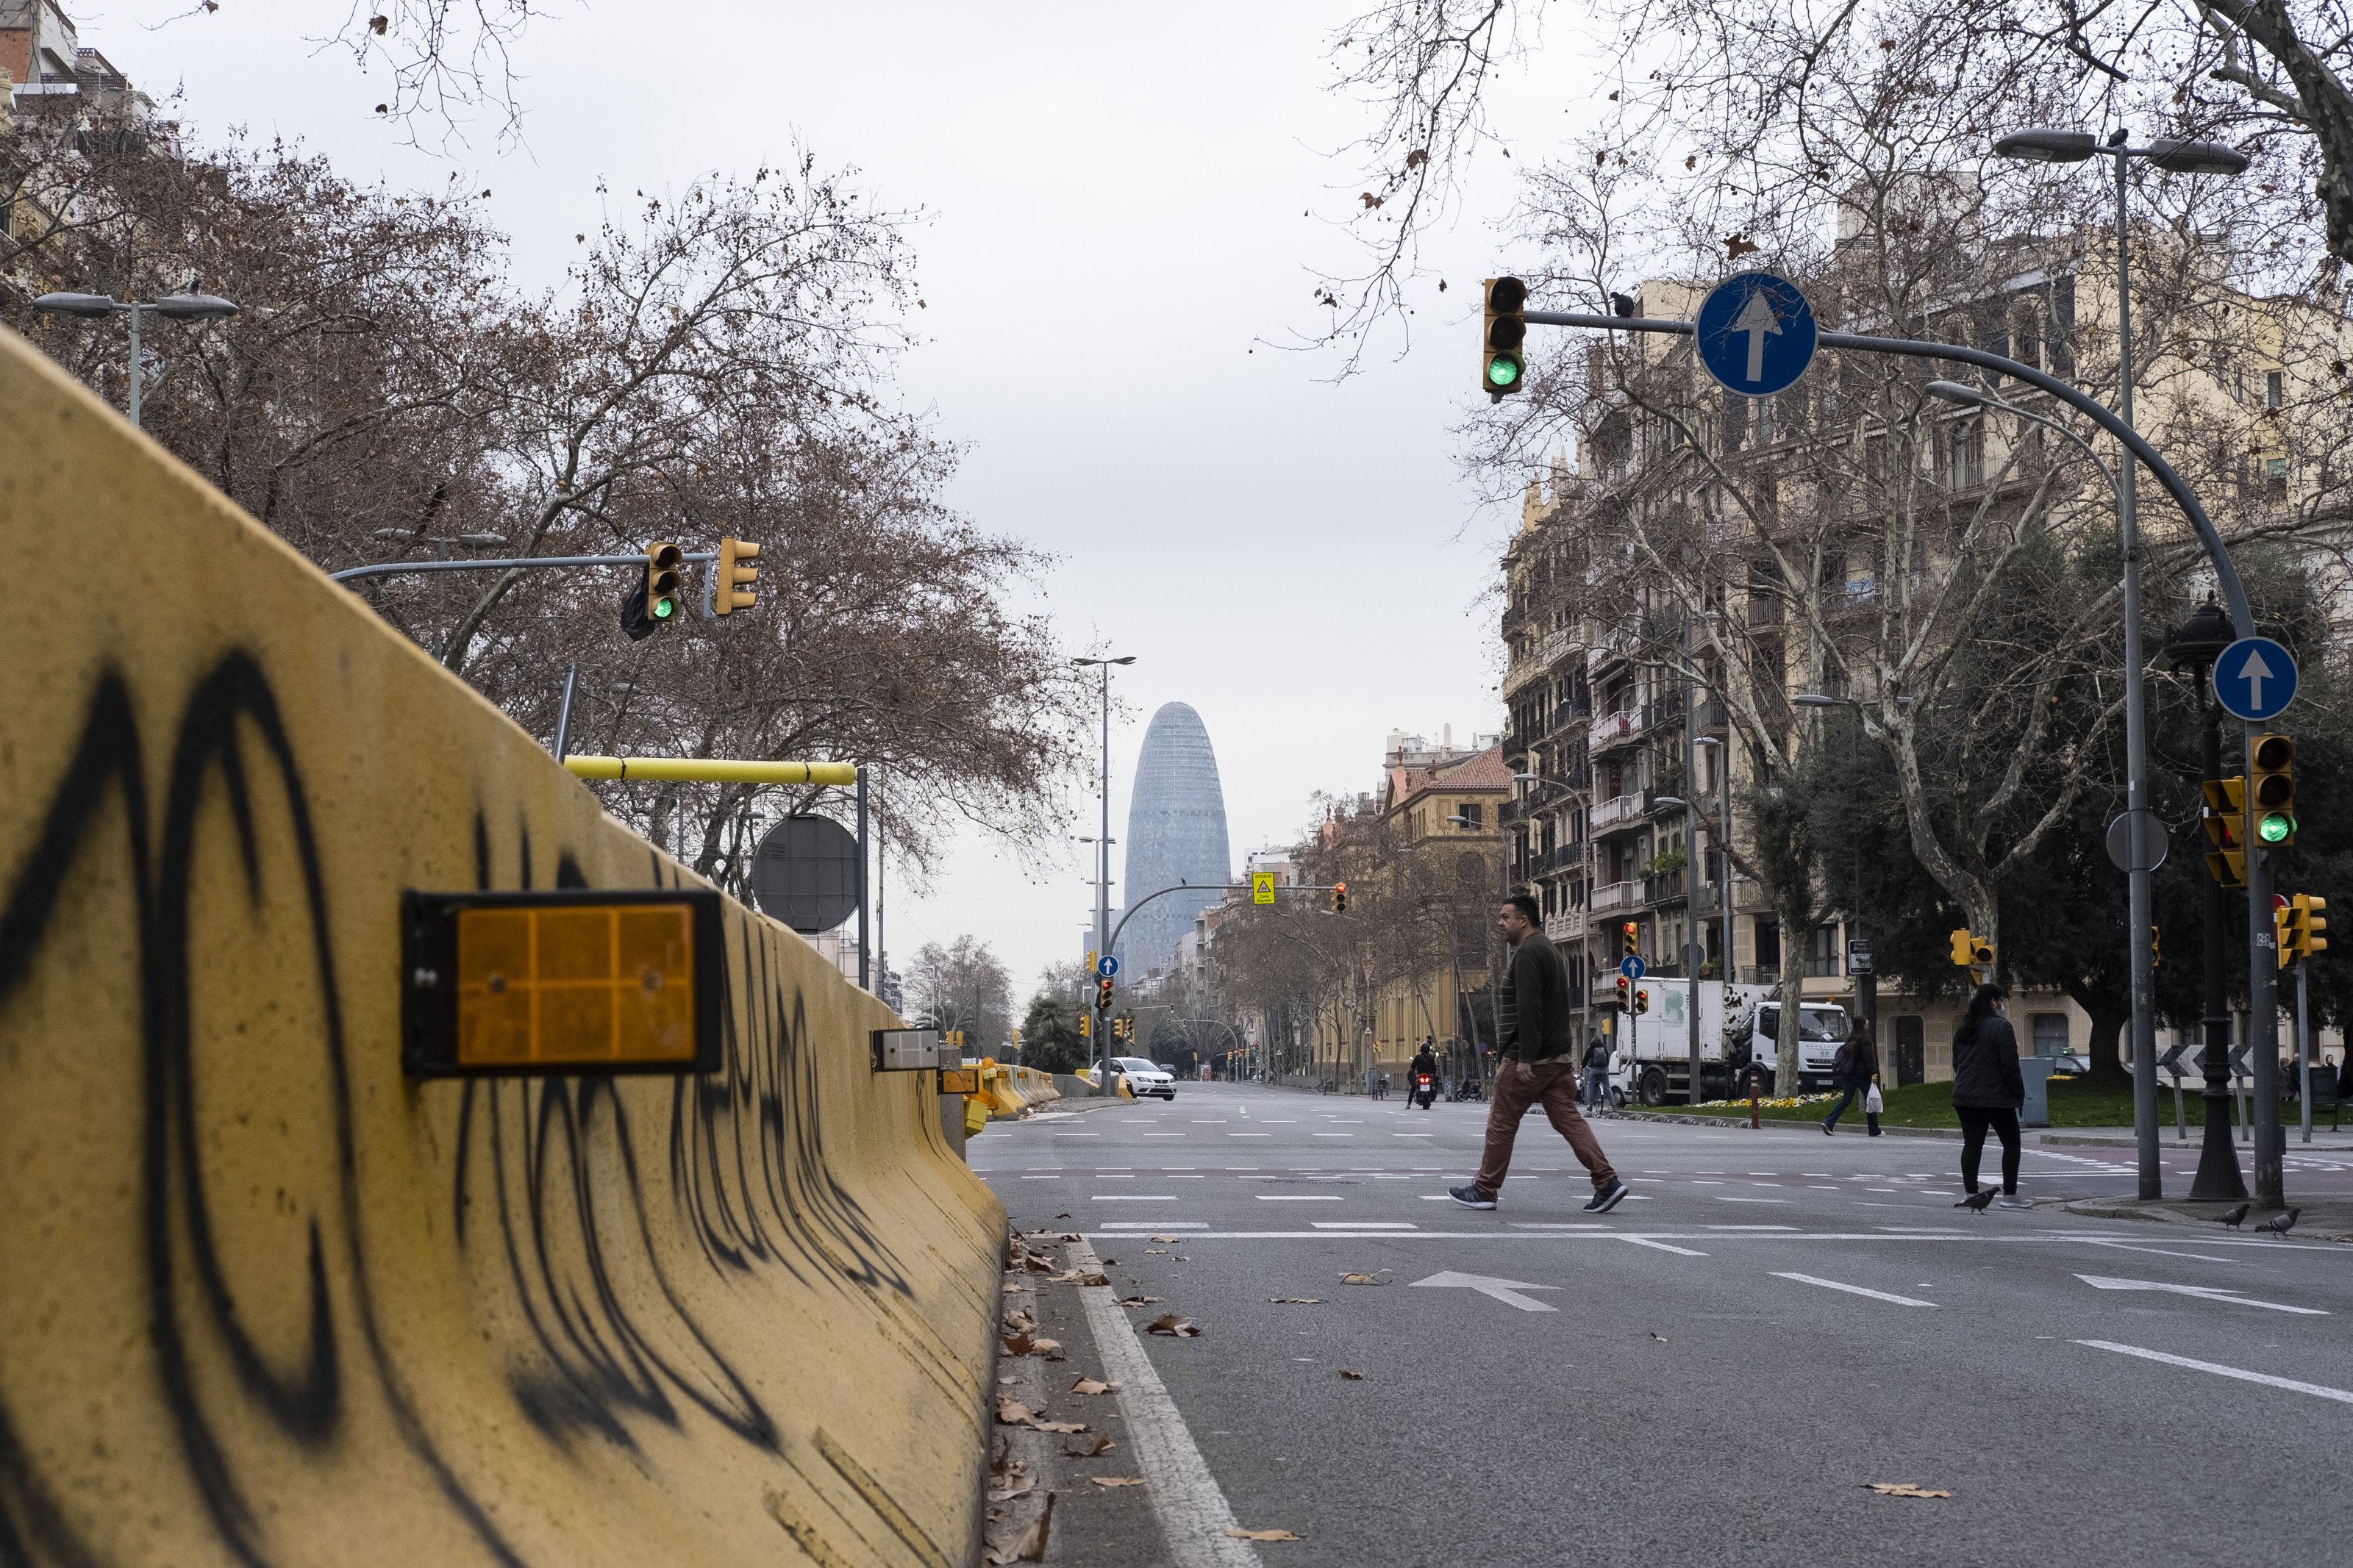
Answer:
(710, 770)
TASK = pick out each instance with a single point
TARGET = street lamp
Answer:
(1102, 849)
(2044, 145)
(171, 307)
(2139, 896)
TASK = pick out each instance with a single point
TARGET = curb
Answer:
(1856, 1130)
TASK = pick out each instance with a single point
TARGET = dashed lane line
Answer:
(1854, 1290)
(2319, 1391)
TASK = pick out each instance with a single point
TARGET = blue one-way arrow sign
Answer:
(2255, 679)
(1755, 333)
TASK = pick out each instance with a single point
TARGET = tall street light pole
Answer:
(2048, 146)
(1103, 859)
(171, 307)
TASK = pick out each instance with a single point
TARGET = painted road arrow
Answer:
(1504, 1291)
(2208, 1292)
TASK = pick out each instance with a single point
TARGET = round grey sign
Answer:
(806, 874)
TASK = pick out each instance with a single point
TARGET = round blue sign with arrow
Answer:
(1755, 333)
(2255, 679)
(1107, 967)
(1632, 968)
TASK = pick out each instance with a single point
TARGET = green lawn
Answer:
(2073, 1103)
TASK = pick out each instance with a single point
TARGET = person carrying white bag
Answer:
(1856, 1072)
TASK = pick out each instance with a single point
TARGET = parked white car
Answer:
(1142, 1077)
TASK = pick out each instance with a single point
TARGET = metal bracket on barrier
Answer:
(909, 1050)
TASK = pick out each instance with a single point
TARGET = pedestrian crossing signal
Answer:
(1504, 368)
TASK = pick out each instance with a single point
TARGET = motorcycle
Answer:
(1424, 1089)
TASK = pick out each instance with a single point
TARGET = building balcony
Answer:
(1617, 813)
(1660, 885)
(1615, 895)
(1710, 717)
(1614, 728)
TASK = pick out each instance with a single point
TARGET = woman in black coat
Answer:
(1987, 1090)
(1856, 1069)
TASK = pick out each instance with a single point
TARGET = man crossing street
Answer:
(1532, 1022)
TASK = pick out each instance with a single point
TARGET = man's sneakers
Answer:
(1470, 1197)
(1606, 1198)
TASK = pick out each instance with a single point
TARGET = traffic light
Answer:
(654, 599)
(1086, 1028)
(1632, 935)
(1103, 993)
(2271, 791)
(1969, 953)
(1504, 368)
(1625, 993)
(1642, 1000)
(1339, 898)
(730, 579)
(2297, 923)
(2226, 830)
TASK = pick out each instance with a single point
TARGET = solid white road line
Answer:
(2206, 1292)
(1193, 1512)
(1661, 1247)
(1132, 1198)
(1363, 1225)
(2341, 1395)
(1855, 1290)
(2160, 1251)
(1297, 1197)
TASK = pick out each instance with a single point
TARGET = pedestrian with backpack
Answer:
(1855, 1071)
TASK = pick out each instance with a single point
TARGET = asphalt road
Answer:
(1713, 1374)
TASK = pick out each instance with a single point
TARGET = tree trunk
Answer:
(1786, 1061)
(2108, 1070)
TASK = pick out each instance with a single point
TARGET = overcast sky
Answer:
(1115, 202)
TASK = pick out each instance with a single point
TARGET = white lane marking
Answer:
(2205, 1292)
(2159, 1251)
(1399, 1135)
(1297, 1197)
(1132, 1198)
(1041, 1178)
(1078, 1134)
(1855, 1290)
(1331, 1135)
(1723, 1200)
(1561, 1225)
(1250, 1134)
(1364, 1225)
(1504, 1291)
(1193, 1512)
(1154, 1225)
(1662, 1247)
(1752, 1228)
(2319, 1391)
(1166, 1135)
(1436, 1198)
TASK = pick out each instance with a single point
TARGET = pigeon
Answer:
(1979, 1200)
(1622, 304)
(2236, 1216)
(2280, 1224)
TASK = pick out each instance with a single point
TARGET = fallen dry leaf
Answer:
(1044, 1426)
(1263, 1535)
(1098, 1444)
(1038, 1263)
(1013, 1413)
(1151, 1251)
(1658, 1336)
(1081, 1277)
(1117, 1480)
(1902, 1489)
(1703, 1063)
(1315, 1300)
(1074, 1235)
(1012, 1285)
(1170, 1323)
(1012, 1487)
(1019, 1321)
(1374, 1278)
(1016, 1344)
(1027, 1544)
(1352, 1376)
(1089, 1385)
(1172, 1240)
(1140, 1302)
(1111, 1263)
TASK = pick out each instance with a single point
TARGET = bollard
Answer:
(1753, 1118)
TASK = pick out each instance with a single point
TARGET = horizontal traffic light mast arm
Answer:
(2226, 575)
(1112, 946)
(710, 770)
(395, 568)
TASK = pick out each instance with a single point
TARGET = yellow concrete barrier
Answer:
(263, 1298)
(997, 1087)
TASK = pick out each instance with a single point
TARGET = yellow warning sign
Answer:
(1261, 887)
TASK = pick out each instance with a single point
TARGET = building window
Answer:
(1822, 955)
(2050, 1034)
(1768, 950)
(1471, 817)
(2275, 389)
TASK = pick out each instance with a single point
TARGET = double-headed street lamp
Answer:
(2043, 145)
(1102, 848)
(171, 307)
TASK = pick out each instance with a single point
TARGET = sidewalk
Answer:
(2317, 1219)
(2322, 1142)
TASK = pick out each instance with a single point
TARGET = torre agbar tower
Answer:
(1175, 833)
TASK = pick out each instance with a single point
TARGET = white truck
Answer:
(1649, 1061)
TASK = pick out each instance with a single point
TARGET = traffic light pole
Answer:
(510, 563)
(2218, 1179)
(2262, 1009)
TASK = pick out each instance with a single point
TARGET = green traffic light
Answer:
(2275, 828)
(664, 609)
(1504, 371)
